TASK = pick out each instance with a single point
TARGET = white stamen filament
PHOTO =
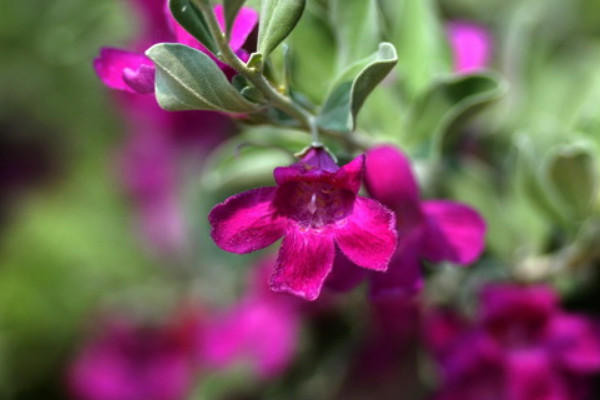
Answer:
(312, 206)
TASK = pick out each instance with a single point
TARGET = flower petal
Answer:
(111, 63)
(304, 261)
(368, 238)
(246, 222)
(244, 24)
(390, 180)
(531, 376)
(576, 341)
(350, 175)
(403, 276)
(455, 232)
(141, 80)
(471, 46)
(345, 275)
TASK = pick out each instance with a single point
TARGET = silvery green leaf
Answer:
(187, 79)
(352, 87)
(356, 26)
(192, 20)
(277, 19)
(437, 113)
(572, 172)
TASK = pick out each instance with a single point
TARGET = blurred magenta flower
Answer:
(471, 46)
(314, 206)
(437, 230)
(132, 71)
(159, 141)
(262, 330)
(522, 346)
(131, 362)
(150, 163)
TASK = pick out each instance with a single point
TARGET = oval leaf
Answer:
(277, 19)
(351, 89)
(572, 173)
(187, 79)
(192, 20)
(438, 113)
(356, 26)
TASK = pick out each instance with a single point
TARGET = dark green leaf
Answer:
(188, 16)
(187, 79)
(232, 7)
(351, 89)
(437, 113)
(277, 19)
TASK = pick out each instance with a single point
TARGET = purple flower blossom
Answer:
(158, 140)
(261, 330)
(436, 230)
(522, 346)
(132, 71)
(314, 206)
(471, 46)
(129, 362)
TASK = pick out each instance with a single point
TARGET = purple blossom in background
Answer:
(151, 160)
(131, 362)
(261, 330)
(132, 71)
(314, 207)
(437, 230)
(471, 46)
(522, 346)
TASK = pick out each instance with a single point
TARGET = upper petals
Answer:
(368, 237)
(316, 164)
(389, 178)
(350, 175)
(304, 261)
(112, 63)
(246, 222)
(244, 24)
(455, 232)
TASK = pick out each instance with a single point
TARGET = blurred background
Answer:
(103, 202)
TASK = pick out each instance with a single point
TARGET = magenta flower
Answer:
(471, 46)
(314, 206)
(132, 71)
(262, 330)
(521, 347)
(129, 362)
(436, 230)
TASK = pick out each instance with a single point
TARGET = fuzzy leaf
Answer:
(188, 16)
(277, 19)
(420, 41)
(351, 89)
(438, 113)
(571, 170)
(356, 25)
(187, 79)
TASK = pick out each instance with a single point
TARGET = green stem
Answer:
(285, 104)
